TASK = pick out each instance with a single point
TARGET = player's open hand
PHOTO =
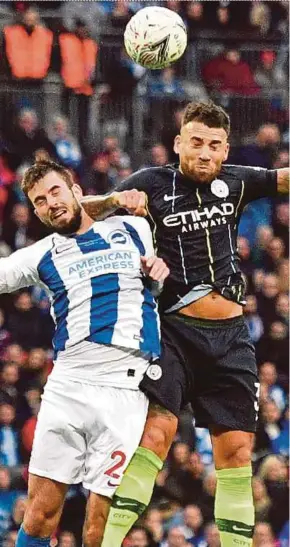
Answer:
(155, 268)
(134, 201)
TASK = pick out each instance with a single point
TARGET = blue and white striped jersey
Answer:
(97, 291)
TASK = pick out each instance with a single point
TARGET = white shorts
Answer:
(87, 433)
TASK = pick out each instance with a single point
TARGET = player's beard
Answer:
(71, 226)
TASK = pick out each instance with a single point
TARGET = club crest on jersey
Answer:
(154, 372)
(219, 188)
(118, 237)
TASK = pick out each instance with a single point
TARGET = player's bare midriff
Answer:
(213, 306)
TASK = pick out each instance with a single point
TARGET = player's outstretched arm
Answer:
(99, 207)
(18, 270)
(283, 180)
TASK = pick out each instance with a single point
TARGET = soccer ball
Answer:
(155, 37)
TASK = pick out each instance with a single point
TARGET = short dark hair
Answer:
(208, 113)
(41, 168)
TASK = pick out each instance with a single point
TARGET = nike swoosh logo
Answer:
(171, 198)
(120, 503)
(238, 529)
(62, 249)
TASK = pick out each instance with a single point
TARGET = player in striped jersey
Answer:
(98, 277)
(207, 356)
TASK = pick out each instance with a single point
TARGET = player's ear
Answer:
(226, 154)
(77, 191)
(176, 144)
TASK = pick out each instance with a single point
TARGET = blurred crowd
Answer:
(181, 511)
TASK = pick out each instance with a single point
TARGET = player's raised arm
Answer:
(99, 207)
(17, 270)
(283, 180)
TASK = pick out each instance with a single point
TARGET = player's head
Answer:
(203, 141)
(54, 195)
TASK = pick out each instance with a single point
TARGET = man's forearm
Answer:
(99, 207)
(283, 180)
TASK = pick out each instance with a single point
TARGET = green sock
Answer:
(132, 496)
(234, 508)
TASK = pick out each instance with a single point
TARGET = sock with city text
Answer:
(234, 508)
(132, 496)
(24, 540)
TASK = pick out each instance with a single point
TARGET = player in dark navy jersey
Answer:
(208, 358)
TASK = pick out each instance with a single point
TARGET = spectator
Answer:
(27, 138)
(193, 525)
(153, 522)
(263, 151)
(260, 18)
(25, 321)
(158, 156)
(268, 379)
(9, 378)
(195, 18)
(282, 308)
(9, 444)
(67, 148)
(270, 77)
(228, 73)
(100, 180)
(166, 85)
(4, 333)
(16, 232)
(8, 497)
(139, 537)
(18, 511)
(66, 539)
(262, 501)
(78, 52)
(28, 48)
(274, 254)
(176, 538)
(263, 535)
(281, 224)
(253, 320)
(212, 535)
(120, 14)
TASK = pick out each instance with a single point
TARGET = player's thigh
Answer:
(117, 421)
(59, 445)
(45, 503)
(227, 384)
(166, 381)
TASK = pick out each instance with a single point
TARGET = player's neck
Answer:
(86, 224)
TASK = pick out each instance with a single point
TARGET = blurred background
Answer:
(69, 92)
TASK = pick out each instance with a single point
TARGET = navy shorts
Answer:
(210, 364)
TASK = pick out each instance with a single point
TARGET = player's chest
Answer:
(193, 210)
(71, 266)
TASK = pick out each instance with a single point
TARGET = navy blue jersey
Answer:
(194, 226)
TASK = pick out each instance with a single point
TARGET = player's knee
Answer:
(39, 523)
(159, 432)
(237, 455)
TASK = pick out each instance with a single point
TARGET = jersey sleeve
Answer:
(142, 227)
(18, 270)
(258, 183)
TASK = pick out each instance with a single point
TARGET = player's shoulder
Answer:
(240, 171)
(138, 223)
(146, 178)
(39, 248)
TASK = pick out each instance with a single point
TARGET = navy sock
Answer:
(24, 540)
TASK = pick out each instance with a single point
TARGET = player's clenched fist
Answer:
(134, 201)
(155, 268)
